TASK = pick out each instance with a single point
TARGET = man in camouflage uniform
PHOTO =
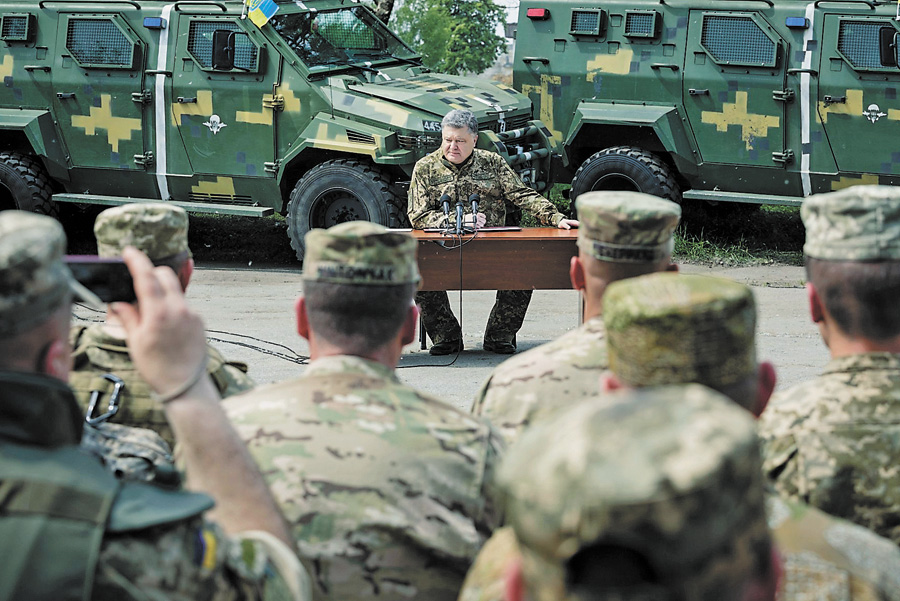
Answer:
(68, 528)
(622, 235)
(458, 169)
(384, 486)
(667, 329)
(657, 494)
(664, 329)
(160, 230)
(833, 442)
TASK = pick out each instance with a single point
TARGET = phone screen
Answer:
(106, 277)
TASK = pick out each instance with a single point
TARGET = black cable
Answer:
(296, 358)
(459, 245)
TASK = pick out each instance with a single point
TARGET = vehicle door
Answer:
(857, 102)
(734, 88)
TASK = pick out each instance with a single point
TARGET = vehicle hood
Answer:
(409, 101)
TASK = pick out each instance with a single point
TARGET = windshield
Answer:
(340, 36)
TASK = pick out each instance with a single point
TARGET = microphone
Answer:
(445, 200)
(473, 200)
(459, 217)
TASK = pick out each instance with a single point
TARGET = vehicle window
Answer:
(344, 35)
(200, 44)
(737, 40)
(98, 42)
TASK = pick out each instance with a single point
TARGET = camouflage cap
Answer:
(626, 227)
(667, 328)
(860, 223)
(360, 253)
(671, 473)
(158, 229)
(34, 280)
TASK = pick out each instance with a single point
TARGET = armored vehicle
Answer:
(319, 114)
(752, 101)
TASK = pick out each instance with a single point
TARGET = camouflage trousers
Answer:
(505, 320)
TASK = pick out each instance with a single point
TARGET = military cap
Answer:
(360, 253)
(34, 280)
(626, 227)
(671, 474)
(158, 229)
(860, 223)
(668, 328)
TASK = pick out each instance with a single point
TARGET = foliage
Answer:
(453, 36)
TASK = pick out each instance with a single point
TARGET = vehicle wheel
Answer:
(338, 191)
(625, 168)
(24, 185)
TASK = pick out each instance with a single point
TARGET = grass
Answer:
(727, 234)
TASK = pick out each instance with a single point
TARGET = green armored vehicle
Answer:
(319, 114)
(759, 101)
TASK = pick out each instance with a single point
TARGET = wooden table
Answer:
(534, 258)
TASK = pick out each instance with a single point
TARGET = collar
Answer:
(460, 166)
(864, 362)
(39, 410)
(350, 364)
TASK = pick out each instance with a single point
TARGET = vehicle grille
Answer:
(511, 123)
(221, 199)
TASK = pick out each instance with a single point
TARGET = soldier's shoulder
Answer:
(582, 348)
(819, 547)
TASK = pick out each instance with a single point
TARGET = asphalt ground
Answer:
(249, 314)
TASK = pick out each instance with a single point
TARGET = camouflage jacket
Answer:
(385, 488)
(484, 173)
(96, 353)
(76, 532)
(533, 384)
(825, 559)
(833, 442)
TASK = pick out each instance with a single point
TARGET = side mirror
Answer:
(223, 50)
(887, 46)
(897, 49)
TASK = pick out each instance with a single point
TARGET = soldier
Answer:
(458, 169)
(68, 528)
(833, 442)
(655, 495)
(622, 235)
(383, 486)
(160, 231)
(665, 329)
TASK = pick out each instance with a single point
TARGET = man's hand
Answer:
(165, 337)
(567, 224)
(479, 220)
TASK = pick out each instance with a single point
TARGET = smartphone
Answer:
(106, 277)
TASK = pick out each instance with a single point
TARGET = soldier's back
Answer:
(96, 353)
(532, 385)
(384, 487)
(833, 442)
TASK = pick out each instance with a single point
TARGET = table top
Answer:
(526, 233)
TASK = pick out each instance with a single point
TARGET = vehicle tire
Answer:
(337, 191)
(24, 185)
(625, 168)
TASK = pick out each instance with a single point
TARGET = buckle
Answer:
(113, 406)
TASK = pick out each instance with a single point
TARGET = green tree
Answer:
(453, 36)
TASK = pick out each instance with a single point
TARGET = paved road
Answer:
(249, 313)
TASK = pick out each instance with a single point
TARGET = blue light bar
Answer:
(797, 22)
(154, 23)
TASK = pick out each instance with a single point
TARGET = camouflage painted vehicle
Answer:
(759, 101)
(319, 114)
